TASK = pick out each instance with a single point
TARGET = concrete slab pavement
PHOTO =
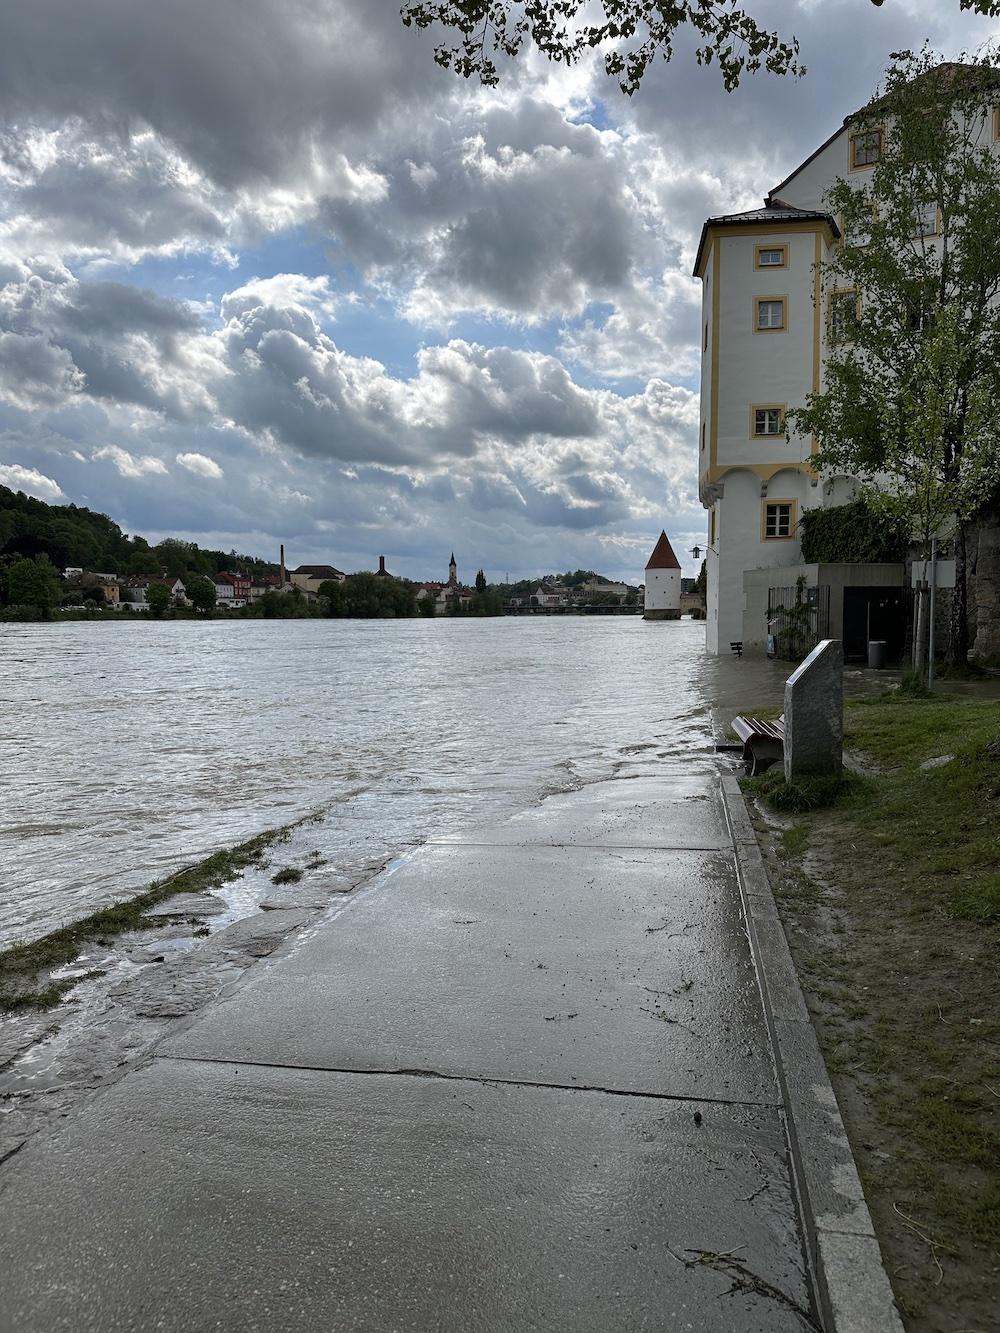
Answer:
(523, 1081)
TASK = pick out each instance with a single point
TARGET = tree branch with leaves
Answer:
(912, 373)
(634, 34)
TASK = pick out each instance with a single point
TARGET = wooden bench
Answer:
(763, 742)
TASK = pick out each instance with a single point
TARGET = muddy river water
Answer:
(131, 749)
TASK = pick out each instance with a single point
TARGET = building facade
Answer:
(765, 335)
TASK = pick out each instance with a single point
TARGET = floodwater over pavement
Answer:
(520, 1079)
(130, 749)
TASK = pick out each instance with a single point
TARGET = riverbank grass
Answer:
(890, 896)
(25, 969)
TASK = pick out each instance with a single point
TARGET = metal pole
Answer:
(930, 629)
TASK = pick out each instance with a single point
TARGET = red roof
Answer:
(663, 555)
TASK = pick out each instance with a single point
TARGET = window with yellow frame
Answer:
(767, 420)
(843, 312)
(777, 520)
(866, 149)
(770, 256)
(926, 221)
(770, 314)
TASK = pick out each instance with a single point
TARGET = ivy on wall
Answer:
(854, 533)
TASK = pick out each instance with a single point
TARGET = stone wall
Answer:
(984, 594)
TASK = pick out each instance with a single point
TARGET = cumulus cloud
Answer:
(201, 465)
(31, 481)
(458, 315)
(129, 465)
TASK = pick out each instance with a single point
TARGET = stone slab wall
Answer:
(984, 595)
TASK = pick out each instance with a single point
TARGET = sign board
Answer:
(945, 573)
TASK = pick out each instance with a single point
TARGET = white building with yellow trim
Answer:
(763, 345)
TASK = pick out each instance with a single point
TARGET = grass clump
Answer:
(25, 968)
(289, 875)
(802, 794)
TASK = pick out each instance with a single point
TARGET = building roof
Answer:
(975, 76)
(775, 211)
(318, 571)
(663, 555)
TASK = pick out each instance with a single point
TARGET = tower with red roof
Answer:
(663, 582)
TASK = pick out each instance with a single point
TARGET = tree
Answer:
(333, 591)
(480, 582)
(158, 598)
(912, 293)
(427, 605)
(639, 31)
(200, 593)
(33, 583)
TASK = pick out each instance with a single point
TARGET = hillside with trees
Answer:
(72, 536)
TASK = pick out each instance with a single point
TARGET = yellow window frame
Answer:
(772, 501)
(772, 298)
(767, 407)
(766, 268)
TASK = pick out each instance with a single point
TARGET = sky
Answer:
(268, 274)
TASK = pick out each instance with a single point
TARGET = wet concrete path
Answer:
(521, 1081)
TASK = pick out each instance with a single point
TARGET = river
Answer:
(131, 749)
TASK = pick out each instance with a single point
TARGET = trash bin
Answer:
(876, 654)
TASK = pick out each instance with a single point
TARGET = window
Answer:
(769, 314)
(703, 435)
(920, 306)
(777, 518)
(925, 220)
(711, 527)
(844, 312)
(704, 346)
(770, 256)
(866, 149)
(769, 420)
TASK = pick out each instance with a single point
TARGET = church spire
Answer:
(452, 569)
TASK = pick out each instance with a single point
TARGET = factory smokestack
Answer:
(282, 564)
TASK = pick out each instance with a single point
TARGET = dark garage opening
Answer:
(874, 613)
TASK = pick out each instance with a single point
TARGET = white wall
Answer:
(741, 545)
(663, 589)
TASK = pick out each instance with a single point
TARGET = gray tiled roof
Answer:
(774, 212)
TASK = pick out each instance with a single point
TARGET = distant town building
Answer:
(382, 572)
(603, 588)
(262, 583)
(663, 583)
(309, 578)
(133, 589)
(446, 594)
(231, 590)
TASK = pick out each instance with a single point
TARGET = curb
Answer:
(852, 1288)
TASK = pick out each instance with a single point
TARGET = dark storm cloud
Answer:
(135, 194)
(241, 87)
(113, 308)
(514, 209)
(111, 340)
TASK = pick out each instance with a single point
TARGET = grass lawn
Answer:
(891, 901)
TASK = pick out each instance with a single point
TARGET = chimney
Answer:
(282, 564)
(381, 564)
